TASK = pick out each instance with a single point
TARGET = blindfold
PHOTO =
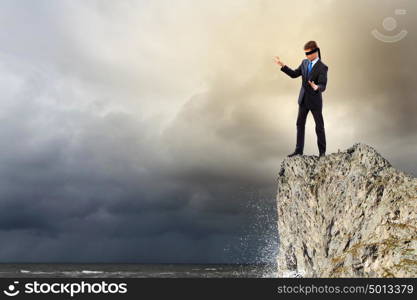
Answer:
(312, 51)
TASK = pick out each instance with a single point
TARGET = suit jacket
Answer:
(318, 74)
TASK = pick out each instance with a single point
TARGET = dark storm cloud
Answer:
(78, 182)
(96, 190)
(159, 141)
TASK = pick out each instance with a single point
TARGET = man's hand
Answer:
(313, 85)
(278, 61)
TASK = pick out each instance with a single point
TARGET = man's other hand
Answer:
(313, 85)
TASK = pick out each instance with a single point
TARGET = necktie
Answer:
(310, 66)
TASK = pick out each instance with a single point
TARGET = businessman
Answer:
(314, 81)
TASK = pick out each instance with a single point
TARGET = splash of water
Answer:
(264, 231)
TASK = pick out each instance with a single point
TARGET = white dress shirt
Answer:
(314, 61)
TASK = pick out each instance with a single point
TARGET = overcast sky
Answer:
(153, 131)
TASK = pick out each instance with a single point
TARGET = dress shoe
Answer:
(322, 154)
(295, 153)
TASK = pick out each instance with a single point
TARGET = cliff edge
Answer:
(348, 214)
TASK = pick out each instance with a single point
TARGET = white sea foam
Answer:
(270, 275)
(91, 272)
(293, 274)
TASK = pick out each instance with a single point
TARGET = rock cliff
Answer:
(348, 214)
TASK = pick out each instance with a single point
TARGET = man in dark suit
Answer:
(314, 81)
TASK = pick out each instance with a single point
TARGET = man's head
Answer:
(310, 46)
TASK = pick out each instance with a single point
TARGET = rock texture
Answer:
(348, 214)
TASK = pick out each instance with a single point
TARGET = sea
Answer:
(52, 270)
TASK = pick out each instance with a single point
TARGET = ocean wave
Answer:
(91, 272)
(36, 272)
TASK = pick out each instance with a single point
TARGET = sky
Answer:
(153, 131)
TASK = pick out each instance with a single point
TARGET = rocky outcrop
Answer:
(348, 214)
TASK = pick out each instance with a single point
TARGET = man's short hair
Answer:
(310, 45)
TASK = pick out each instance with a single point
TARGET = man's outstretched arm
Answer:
(292, 73)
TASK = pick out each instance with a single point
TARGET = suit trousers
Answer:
(303, 110)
